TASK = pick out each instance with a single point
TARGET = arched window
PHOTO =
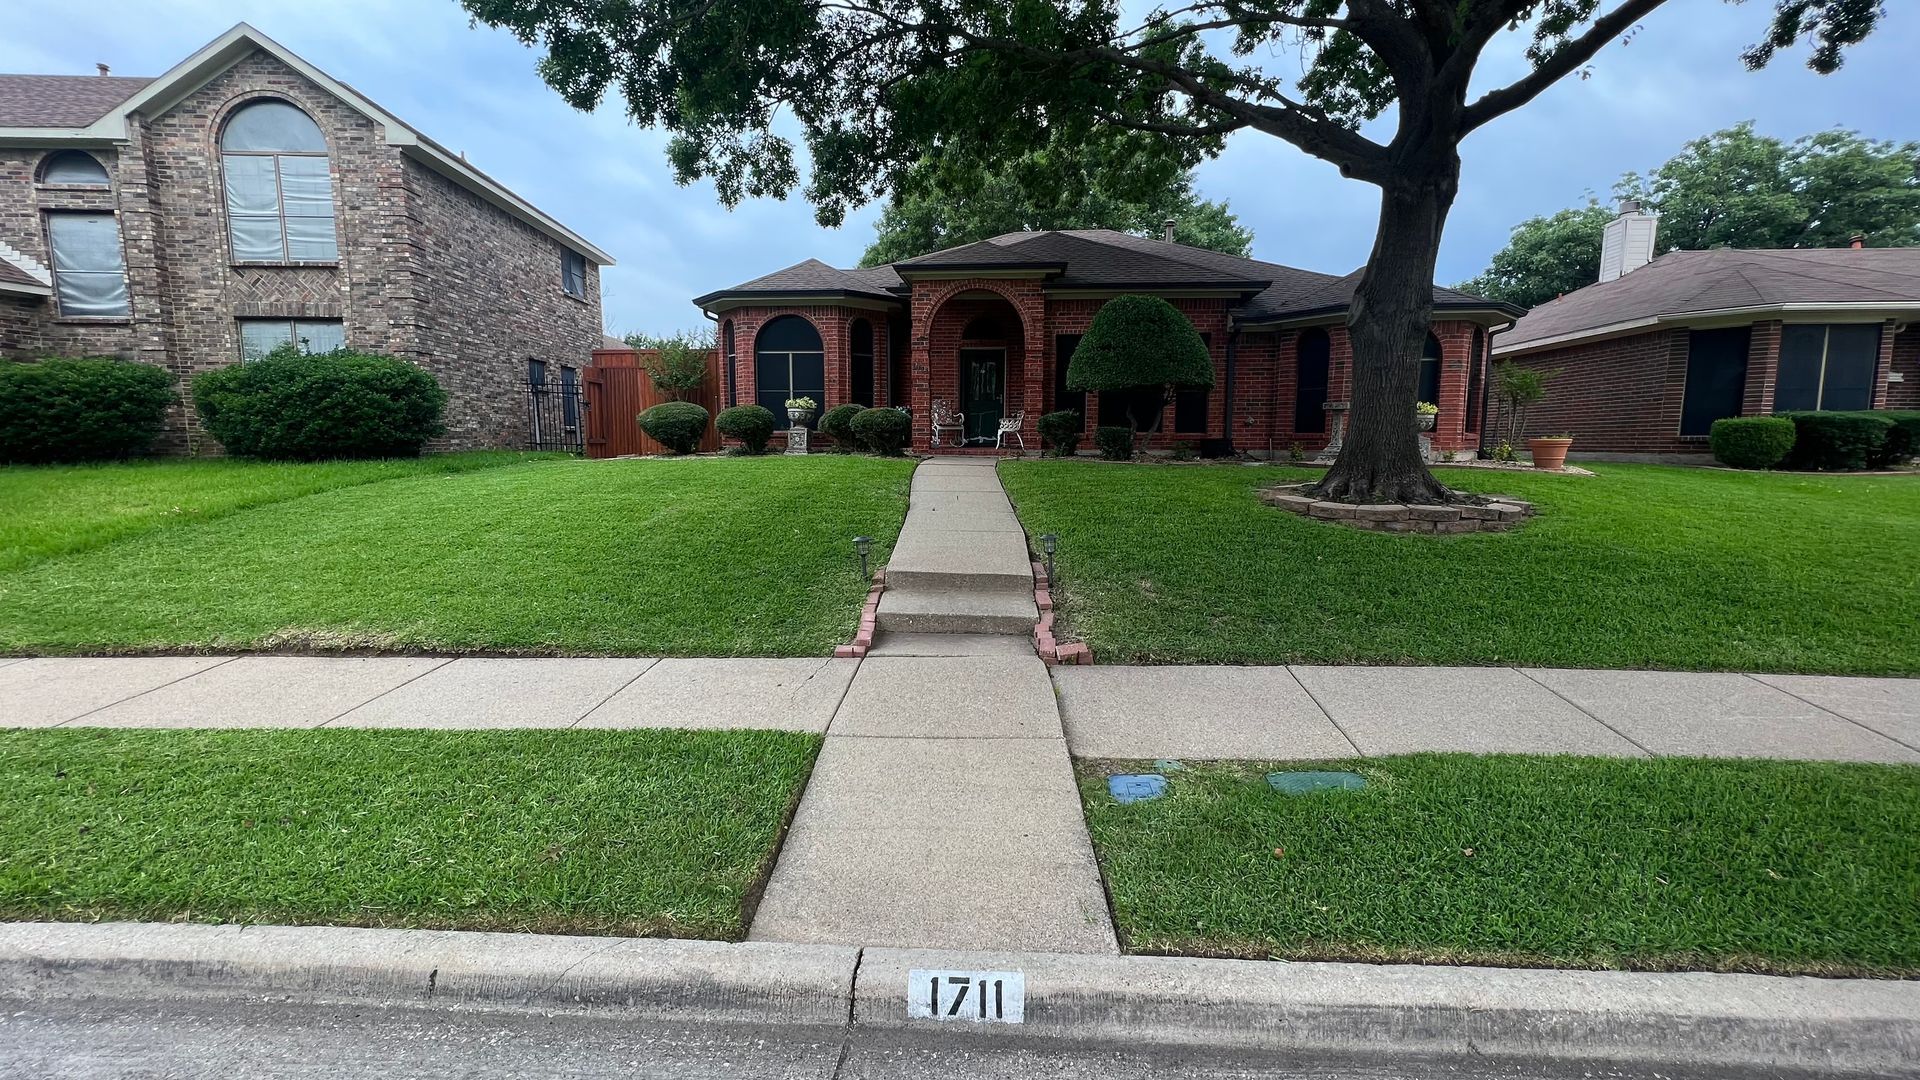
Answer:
(788, 363)
(279, 191)
(982, 329)
(860, 357)
(1313, 363)
(733, 364)
(1476, 364)
(1430, 371)
(74, 168)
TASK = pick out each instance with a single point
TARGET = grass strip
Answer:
(647, 832)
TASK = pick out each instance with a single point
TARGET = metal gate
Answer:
(557, 415)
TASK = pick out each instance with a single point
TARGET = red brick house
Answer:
(246, 199)
(1647, 359)
(990, 326)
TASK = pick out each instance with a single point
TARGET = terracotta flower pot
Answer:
(1549, 453)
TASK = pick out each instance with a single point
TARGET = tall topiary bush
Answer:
(291, 406)
(80, 410)
(837, 422)
(1061, 431)
(1140, 341)
(676, 425)
(1838, 441)
(751, 424)
(884, 431)
(1751, 442)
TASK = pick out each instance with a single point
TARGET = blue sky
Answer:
(476, 90)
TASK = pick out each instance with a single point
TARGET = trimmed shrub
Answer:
(676, 425)
(1837, 441)
(291, 406)
(837, 422)
(1061, 431)
(1137, 342)
(1903, 438)
(1751, 442)
(80, 410)
(751, 424)
(884, 431)
(1114, 442)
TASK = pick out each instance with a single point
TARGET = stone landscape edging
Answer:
(1498, 514)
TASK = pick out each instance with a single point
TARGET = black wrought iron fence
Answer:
(557, 418)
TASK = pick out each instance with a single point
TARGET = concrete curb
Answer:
(1137, 1002)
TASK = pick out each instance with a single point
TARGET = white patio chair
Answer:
(945, 419)
(1010, 425)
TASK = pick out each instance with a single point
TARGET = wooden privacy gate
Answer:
(618, 391)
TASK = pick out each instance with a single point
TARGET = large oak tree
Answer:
(873, 86)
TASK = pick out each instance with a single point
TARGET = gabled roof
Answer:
(1099, 260)
(1689, 286)
(57, 123)
(22, 274)
(62, 101)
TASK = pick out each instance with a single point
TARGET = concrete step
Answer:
(951, 559)
(914, 610)
(903, 644)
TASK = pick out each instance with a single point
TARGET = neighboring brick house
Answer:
(1647, 359)
(245, 199)
(989, 327)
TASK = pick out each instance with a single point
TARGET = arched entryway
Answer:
(788, 362)
(979, 363)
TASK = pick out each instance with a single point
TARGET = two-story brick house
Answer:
(989, 328)
(246, 199)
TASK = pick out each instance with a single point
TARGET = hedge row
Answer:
(1818, 441)
(80, 410)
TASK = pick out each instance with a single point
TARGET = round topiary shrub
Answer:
(676, 425)
(1143, 347)
(291, 406)
(838, 423)
(1061, 431)
(884, 431)
(1751, 442)
(751, 424)
(1114, 442)
(80, 410)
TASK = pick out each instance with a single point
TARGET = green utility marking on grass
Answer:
(1306, 783)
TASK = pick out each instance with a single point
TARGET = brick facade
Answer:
(1624, 395)
(427, 270)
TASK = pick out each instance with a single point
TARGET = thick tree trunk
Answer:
(1379, 460)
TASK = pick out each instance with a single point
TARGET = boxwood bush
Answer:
(838, 423)
(884, 431)
(1114, 442)
(1751, 442)
(751, 424)
(291, 406)
(1834, 441)
(80, 410)
(676, 425)
(1903, 438)
(1061, 431)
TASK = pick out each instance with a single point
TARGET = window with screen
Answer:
(89, 274)
(1313, 363)
(1829, 367)
(788, 362)
(258, 337)
(279, 186)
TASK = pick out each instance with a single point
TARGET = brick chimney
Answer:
(1166, 230)
(1857, 241)
(104, 70)
(1627, 244)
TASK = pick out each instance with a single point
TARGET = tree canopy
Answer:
(1733, 188)
(874, 86)
(939, 205)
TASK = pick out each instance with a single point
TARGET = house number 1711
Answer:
(991, 996)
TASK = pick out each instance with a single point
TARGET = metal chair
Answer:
(1010, 425)
(945, 419)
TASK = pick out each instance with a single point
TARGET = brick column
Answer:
(1883, 366)
(920, 366)
(1763, 369)
(1033, 365)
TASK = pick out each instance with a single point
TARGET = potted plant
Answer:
(1550, 452)
(801, 410)
(1426, 412)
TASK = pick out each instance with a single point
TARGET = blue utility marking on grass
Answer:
(1136, 787)
(1306, 783)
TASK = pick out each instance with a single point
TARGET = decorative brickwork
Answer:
(427, 270)
(1497, 514)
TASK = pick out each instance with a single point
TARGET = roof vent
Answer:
(1857, 241)
(104, 70)
(1627, 244)
(1166, 230)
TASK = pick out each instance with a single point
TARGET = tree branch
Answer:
(1496, 103)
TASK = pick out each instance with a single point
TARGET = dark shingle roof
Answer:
(13, 275)
(1682, 283)
(62, 101)
(1099, 259)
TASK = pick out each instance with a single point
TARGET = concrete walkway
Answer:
(942, 812)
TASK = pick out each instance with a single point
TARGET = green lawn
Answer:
(1568, 862)
(60, 509)
(704, 556)
(1638, 567)
(603, 832)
